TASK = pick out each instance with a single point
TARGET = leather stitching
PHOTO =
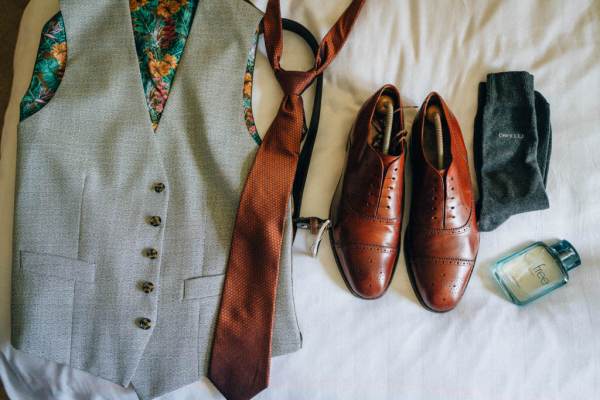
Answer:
(444, 260)
(450, 231)
(362, 246)
(346, 204)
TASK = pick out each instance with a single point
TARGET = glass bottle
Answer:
(536, 270)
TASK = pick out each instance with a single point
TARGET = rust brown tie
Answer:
(241, 352)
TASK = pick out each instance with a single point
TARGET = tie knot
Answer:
(294, 82)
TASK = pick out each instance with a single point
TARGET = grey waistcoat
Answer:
(86, 168)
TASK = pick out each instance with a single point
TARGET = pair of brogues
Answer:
(366, 212)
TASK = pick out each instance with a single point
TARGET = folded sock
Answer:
(542, 111)
(544, 128)
(512, 148)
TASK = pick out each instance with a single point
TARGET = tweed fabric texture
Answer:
(84, 193)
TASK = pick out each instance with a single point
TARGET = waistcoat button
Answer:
(147, 287)
(144, 323)
(159, 187)
(154, 220)
(151, 253)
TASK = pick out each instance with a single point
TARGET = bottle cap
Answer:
(567, 254)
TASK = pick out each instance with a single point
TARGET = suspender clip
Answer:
(317, 227)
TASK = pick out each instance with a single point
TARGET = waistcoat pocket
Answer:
(203, 287)
(42, 303)
(206, 290)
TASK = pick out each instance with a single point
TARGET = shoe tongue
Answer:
(386, 159)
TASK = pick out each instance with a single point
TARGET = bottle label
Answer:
(531, 273)
(538, 271)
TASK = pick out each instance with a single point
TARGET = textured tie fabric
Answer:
(241, 352)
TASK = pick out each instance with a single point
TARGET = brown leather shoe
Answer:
(442, 239)
(366, 210)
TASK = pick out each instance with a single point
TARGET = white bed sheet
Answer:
(392, 348)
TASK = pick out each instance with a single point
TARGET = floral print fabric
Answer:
(49, 67)
(247, 98)
(160, 28)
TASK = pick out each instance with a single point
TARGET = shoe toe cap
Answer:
(441, 284)
(368, 269)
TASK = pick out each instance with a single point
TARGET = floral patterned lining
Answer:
(160, 30)
(49, 67)
(248, 82)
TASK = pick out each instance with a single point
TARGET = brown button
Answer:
(154, 220)
(159, 187)
(151, 253)
(147, 287)
(144, 323)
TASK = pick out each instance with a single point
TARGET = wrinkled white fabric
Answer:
(392, 348)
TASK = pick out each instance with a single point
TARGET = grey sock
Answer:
(542, 111)
(512, 148)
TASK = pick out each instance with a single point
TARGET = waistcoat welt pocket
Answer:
(203, 287)
(44, 290)
(57, 266)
